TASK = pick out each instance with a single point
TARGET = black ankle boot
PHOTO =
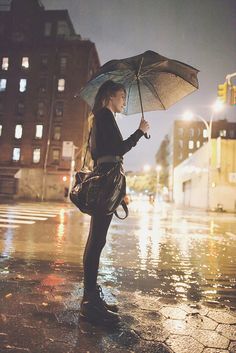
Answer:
(112, 307)
(92, 309)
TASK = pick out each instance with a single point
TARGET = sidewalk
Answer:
(39, 314)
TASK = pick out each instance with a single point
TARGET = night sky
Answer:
(201, 33)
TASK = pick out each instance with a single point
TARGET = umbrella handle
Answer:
(147, 136)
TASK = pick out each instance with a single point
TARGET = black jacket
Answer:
(106, 138)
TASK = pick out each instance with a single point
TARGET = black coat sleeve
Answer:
(109, 138)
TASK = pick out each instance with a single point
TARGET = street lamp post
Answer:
(189, 116)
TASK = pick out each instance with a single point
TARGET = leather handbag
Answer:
(101, 190)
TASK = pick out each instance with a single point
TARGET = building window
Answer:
(42, 85)
(44, 62)
(18, 131)
(22, 85)
(36, 155)
(16, 154)
(55, 155)
(25, 62)
(63, 28)
(191, 132)
(222, 133)
(3, 84)
(1, 108)
(20, 108)
(198, 144)
(63, 63)
(181, 143)
(205, 133)
(57, 133)
(0, 129)
(231, 134)
(41, 109)
(61, 85)
(190, 154)
(180, 156)
(190, 144)
(47, 29)
(180, 131)
(39, 131)
(58, 109)
(5, 63)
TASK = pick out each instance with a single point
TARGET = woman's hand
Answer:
(144, 126)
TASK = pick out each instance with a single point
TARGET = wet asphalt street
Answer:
(173, 272)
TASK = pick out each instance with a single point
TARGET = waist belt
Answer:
(109, 159)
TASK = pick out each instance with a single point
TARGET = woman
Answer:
(107, 148)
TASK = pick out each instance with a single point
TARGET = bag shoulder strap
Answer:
(123, 204)
(87, 147)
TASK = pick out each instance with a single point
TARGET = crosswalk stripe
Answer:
(8, 226)
(3, 220)
(26, 213)
(10, 216)
(54, 214)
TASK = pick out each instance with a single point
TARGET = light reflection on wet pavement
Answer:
(161, 263)
(168, 252)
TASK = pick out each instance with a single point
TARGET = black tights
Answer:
(96, 241)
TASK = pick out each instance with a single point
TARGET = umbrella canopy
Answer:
(161, 82)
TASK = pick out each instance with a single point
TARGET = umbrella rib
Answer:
(148, 83)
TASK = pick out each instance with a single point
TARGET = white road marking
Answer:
(8, 226)
(13, 216)
(3, 220)
(18, 211)
(51, 212)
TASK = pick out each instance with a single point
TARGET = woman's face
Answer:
(117, 102)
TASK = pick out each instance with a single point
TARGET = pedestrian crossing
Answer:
(13, 216)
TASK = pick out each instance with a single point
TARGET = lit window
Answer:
(204, 133)
(55, 155)
(180, 131)
(181, 143)
(41, 109)
(63, 28)
(58, 109)
(47, 29)
(39, 131)
(3, 84)
(5, 64)
(18, 131)
(16, 154)
(63, 63)
(190, 144)
(190, 154)
(36, 155)
(191, 132)
(61, 85)
(22, 85)
(25, 62)
(57, 133)
(223, 133)
(0, 129)
(198, 144)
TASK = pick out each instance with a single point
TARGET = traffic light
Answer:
(223, 92)
(233, 95)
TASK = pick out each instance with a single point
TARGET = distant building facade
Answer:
(43, 126)
(208, 183)
(186, 137)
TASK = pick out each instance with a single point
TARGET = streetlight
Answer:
(216, 107)
(146, 168)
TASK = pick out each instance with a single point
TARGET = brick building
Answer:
(43, 127)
